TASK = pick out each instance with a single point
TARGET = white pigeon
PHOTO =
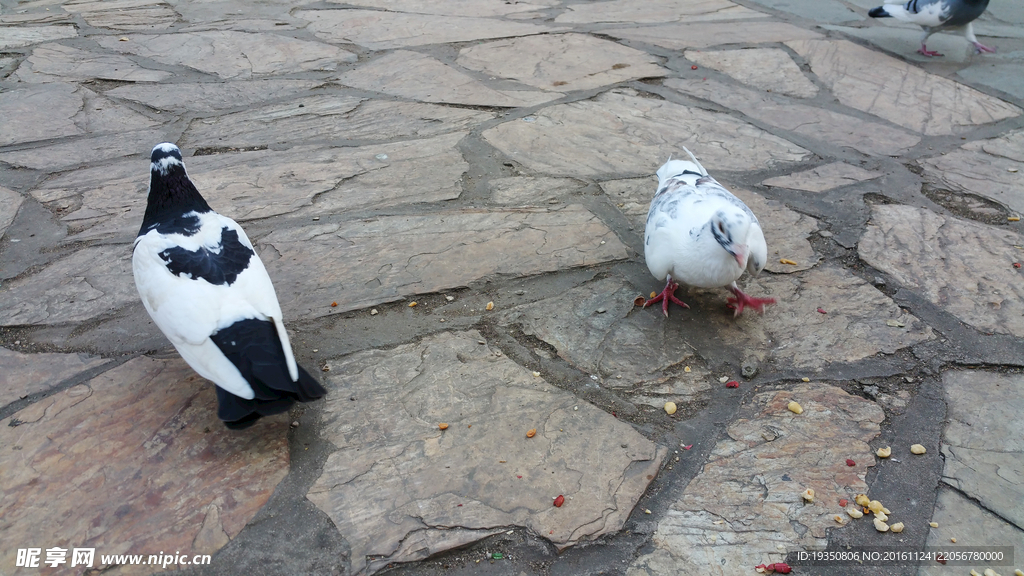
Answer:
(701, 235)
(936, 15)
(207, 290)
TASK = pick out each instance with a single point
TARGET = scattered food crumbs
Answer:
(838, 518)
(862, 500)
(843, 502)
(1014, 218)
(688, 446)
(449, 298)
(732, 384)
(1016, 264)
(639, 301)
(795, 408)
(940, 559)
(334, 304)
(501, 461)
(559, 501)
(670, 408)
(787, 261)
(536, 374)
(531, 432)
(1011, 169)
(443, 426)
(918, 449)
(518, 476)
(412, 304)
(875, 506)
(647, 511)
(822, 311)
(470, 426)
(490, 306)
(653, 294)
(894, 323)
(497, 556)
(897, 527)
(884, 452)
(694, 67)
(855, 513)
(882, 516)
(723, 379)
(686, 369)
(850, 462)
(953, 540)
(805, 379)
(1018, 573)
(808, 495)
(326, 368)
(373, 312)
(933, 524)
(881, 526)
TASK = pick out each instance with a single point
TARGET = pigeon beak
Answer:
(740, 254)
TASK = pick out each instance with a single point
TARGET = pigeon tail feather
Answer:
(254, 347)
(879, 12)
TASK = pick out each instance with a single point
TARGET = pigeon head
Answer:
(730, 229)
(171, 193)
(164, 158)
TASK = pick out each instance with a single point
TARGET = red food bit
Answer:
(334, 304)
(559, 501)
(460, 505)
(518, 476)
(1016, 264)
(732, 384)
(843, 502)
(688, 447)
(694, 67)
(781, 567)
(850, 462)
(822, 311)
(940, 558)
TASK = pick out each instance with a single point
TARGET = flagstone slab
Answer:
(420, 77)
(392, 257)
(1008, 77)
(682, 36)
(329, 118)
(532, 190)
(992, 168)
(823, 178)
(654, 12)
(973, 527)
(91, 282)
(382, 30)
(963, 267)
(24, 374)
(561, 62)
(399, 489)
(620, 134)
(897, 91)
(453, 7)
(262, 184)
(125, 14)
(10, 202)
(88, 150)
(769, 69)
(59, 63)
(17, 36)
(744, 507)
(816, 10)
(983, 452)
(211, 96)
(231, 54)
(40, 113)
(134, 461)
(827, 126)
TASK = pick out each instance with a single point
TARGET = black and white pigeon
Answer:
(700, 235)
(936, 15)
(207, 290)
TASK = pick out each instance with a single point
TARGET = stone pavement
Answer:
(450, 197)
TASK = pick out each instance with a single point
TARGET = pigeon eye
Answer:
(721, 228)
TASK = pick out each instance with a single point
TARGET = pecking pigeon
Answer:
(936, 15)
(209, 293)
(699, 234)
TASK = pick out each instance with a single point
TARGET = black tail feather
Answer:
(254, 347)
(878, 12)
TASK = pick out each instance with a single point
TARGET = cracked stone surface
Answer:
(964, 267)
(125, 14)
(380, 30)
(826, 126)
(11, 37)
(88, 150)
(958, 517)
(984, 453)
(745, 503)
(10, 201)
(531, 190)
(894, 90)
(23, 123)
(623, 134)
(991, 168)
(400, 489)
(706, 34)
(233, 55)
(59, 63)
(452, 249)
(560, 62)
(655, 12)
(211, 96)
(769, 69)
(25, 374)
(823, 178)
(420, 77)
(448, 7)
(156, 470)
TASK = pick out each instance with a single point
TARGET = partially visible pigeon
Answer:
(701, 235)
(209, 293)
(936, 15)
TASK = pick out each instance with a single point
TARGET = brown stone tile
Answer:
(211, 96)
(769, 69)
(705, 34)
(991, 168)
(25, 374)
(655, 12)
(125, 14)
(823, 178)
(59, 63)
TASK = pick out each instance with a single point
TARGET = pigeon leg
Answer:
(741, 301)
(924, 40)
(666, 295)
(978, 46)
(925, 51)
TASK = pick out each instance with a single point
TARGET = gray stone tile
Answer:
(10, 202)
(655, 12)
(560, 62)
(823, 178)
(15, 37)
(400, 489)
(982, 448)
(59, 63)
(211, 96)
(88, 150)
(135, 461)
(991, 168)
(531, 190)
(824, 125)
(125, 14)
(392, 257)
(963, 267)
(744, 507)
(381, 30)
(705, 34)
(233, 55)
(1008, 77)
(891, 89)
(22, 109)
(973, 527)
(453, 7)
(25, 374)
(769, 69)
(817, 10)
(620, 134)
(421, 77)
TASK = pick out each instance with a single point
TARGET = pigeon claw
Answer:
(668, 294)
(741, 301)
(927, 52)
(979, 48)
